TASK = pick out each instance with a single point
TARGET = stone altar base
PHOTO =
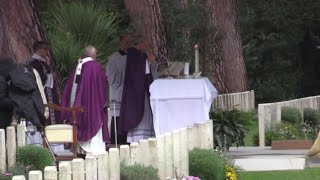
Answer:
(270, 163)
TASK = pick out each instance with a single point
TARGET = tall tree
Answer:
(230, 70)
(146, 18)
(19, 28)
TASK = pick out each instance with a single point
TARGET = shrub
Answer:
(287, 131)
(34, 157)
(291, 115)
(311, 116)
(138, 171)
(206, 164)
(16, 171)
(228, 128)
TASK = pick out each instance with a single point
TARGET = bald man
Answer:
(86, 87)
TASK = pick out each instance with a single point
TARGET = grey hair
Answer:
(90, 51)
(137, 39)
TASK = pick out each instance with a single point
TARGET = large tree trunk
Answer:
(146, 19)
(19, 28)
(230, 71)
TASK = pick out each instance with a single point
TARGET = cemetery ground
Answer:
(306, 174)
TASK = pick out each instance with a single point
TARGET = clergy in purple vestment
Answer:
(40, 63)
(86, 87)
(135, 113)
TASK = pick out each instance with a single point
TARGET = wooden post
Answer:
(21, 135)
(191, 138)
(50, 173)
(3, 157)
(18, 178)
(65, 171)
(78, 169)
(184, 152)
(36, 175)
(135, 153)
(196, 133)
(114, 159)
(125, 154)
(161, 156)
(144, 152)
(11, 146)
(91, 168)
(176, 152)
(153, 160)
(169, 154)
(103, 166)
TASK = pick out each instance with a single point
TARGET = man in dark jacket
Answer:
(6, 104)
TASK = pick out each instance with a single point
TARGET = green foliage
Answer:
(311, 116)
(310, 131)
(72, 25)
(185, 26)
(229, 127)
(34, 157)
(138, 171)
(207, 164)
(291, 115)
(272, 32)
(281, 131)
(16, 171)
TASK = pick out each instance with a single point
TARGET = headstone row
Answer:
(270, 113)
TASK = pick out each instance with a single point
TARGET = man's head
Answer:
(91, 52)
(139, 42)
(124, 42)
(41, 48)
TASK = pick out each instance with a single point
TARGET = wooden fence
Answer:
(243, 101)
(168, 153)
(270, 113)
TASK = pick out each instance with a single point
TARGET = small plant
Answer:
(231, 173)
(310, 131)
(291, 115)
(228, 128)
(138, 171)
(207, 164)
(311, 117)
(34, 157)
(16, 171)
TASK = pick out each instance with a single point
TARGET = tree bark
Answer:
(230, 71)
(146, 19)
(19, 28)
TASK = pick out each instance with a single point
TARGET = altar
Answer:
(179, 103)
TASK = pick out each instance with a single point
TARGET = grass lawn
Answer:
(307, 174)
(253, 129)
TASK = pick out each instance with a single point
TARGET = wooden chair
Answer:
(63, 133)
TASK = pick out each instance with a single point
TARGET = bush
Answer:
(206, 164)
(34, 157)
(291, 115)
(16, 171)
(138, 171)
(311, 116)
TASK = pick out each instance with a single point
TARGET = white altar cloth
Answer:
(179, 103)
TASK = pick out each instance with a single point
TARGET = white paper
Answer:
(49, 82)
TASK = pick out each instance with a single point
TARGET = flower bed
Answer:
(291, 144)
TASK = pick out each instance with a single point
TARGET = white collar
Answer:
(81, 62)
(36, 56)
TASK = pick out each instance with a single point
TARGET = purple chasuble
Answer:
(136, 84)
(91, 94)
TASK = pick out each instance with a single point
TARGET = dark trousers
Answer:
(122, 138)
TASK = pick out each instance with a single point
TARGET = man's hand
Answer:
(151, 57)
